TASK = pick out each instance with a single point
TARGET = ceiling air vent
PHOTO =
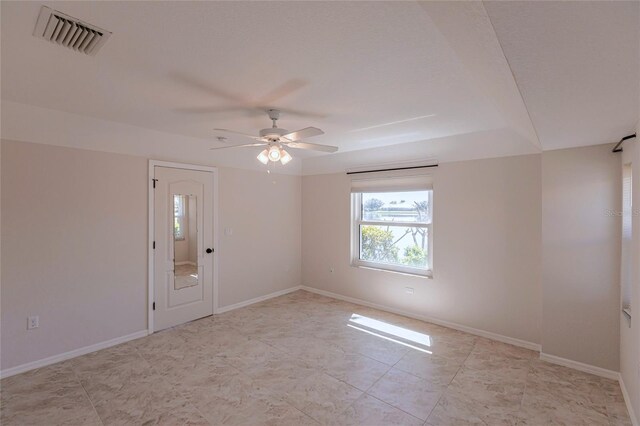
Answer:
(69, 32)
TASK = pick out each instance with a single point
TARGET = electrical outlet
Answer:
(33, 322)
(408, 290)
(331, 269)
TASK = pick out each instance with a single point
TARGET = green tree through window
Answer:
(378, 245)
(415, 256)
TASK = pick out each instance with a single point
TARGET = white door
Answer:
(183, 254)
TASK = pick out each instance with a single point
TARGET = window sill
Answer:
(428, 275)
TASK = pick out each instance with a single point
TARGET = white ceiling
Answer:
(429, 79)
(576, 64)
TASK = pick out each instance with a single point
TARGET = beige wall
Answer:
(263, 253)
(76, 222)
(486, 247)
(581, 255)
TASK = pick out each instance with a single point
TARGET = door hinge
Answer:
(154, 306)
(154, 183)
(154, 245)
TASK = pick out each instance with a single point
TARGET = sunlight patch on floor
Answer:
(393, 333)
(404, 333)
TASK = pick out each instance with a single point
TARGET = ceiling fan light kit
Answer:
(275, 139)
(263, 157)
(274, 154)
(285, 157)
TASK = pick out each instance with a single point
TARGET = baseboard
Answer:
(482, 333)
(185, 262)
(627, 401)
(587, 368)
(118, 340)
(257, 300)
(71, 354)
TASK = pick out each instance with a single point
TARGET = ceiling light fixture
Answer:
(285, 157)
(263, 157)
(274, 153)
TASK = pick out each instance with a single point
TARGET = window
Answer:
(178, 217)
(392, 228)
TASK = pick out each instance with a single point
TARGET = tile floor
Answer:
(303, 359)
(185, 276)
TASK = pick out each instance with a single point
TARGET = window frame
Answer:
(357, 221)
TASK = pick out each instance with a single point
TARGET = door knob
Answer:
(209, 250)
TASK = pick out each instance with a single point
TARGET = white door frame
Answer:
(150, 273)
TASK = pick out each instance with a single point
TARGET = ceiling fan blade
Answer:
(300, 113)
(204, 86)
(240, 103)
(283, 90)
(303, 133)
(244, 145)
(238, 133)
(311, 146)
(208, 110)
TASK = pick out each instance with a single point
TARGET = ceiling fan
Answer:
(276, 139)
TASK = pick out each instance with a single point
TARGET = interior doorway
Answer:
(182, 258)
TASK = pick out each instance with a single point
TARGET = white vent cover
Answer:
(66, 31)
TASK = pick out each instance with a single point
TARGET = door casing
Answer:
(151, 231)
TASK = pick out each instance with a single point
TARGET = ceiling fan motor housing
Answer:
(273, 133)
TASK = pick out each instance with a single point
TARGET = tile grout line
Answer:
(392, 406)
(380, 378)
(283, 352)
(303, 413)
(75, 375)
(366, 392)
(166, 382)
(446, 388)
(322, 371)
(524, 391)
